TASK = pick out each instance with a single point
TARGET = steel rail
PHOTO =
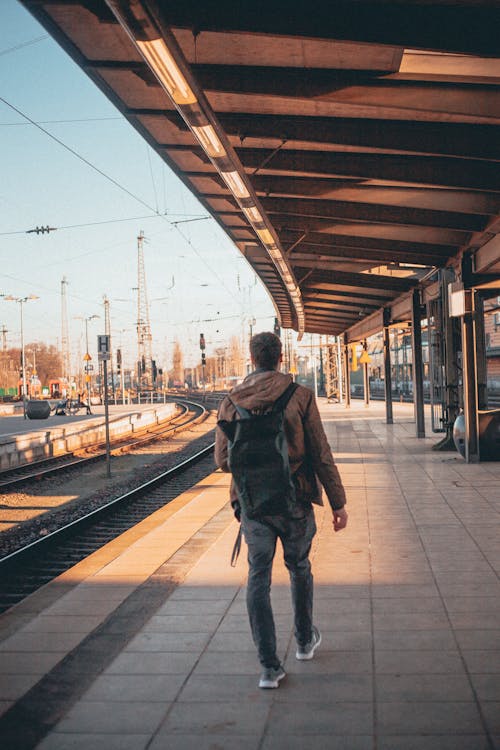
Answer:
(35, 470)
(14, 565)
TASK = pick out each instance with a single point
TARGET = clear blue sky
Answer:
(44, 184)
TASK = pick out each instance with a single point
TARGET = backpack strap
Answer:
(242, 413)
(236, 548)
(281, 403)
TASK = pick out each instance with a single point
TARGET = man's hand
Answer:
(339, 519)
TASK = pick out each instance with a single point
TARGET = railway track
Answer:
(191, 412)
(30, 567)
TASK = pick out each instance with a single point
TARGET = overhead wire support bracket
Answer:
(41, 230)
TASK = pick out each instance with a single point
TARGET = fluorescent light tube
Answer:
(235, 184)
(165, 68)
(209, 140)
(253, 214)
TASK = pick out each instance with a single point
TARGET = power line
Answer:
(60, 122)
(78, 156)
(108, 221)
(24, 44)
(118, 185)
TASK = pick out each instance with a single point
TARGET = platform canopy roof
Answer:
(348, 148)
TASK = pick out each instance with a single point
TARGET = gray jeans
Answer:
(296, 536)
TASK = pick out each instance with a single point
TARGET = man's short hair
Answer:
(265, 349)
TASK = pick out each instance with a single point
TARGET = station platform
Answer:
(24, 440)
(146, 643)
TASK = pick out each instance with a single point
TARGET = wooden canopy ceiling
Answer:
(368, 131)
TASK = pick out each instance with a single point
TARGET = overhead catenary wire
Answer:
(119, 186)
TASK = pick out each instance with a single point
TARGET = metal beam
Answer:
(375, 214)
(454, 139)
(364, 280)
(443, 171)
(466, 27)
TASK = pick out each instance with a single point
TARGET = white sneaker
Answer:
(304, 653)
(271, 677)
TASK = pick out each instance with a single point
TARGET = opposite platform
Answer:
(147, 645)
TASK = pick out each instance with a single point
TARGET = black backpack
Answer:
(258, 459)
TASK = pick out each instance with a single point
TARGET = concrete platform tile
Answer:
(344, 606)
(214, 718)
(389, 591)
(454, 588)
(320, 718)
(422, 687)
(186, 607)
(337, 621)
(135, 688)
(331, 663)
(421, 640)
(476, 604)
(68, 741)
(67, 624)
(112, 717)
(46, 642)
(487, 686)
(476, 620)
(234, 642)
(13, 686)
(178, 642)
(29, 663)
(230, 663)
(419, 663)
(340, 688)
(482, 661)
(423, 604)
(491, 711)
(340, 592)
(434, 742)
(203, 688)
(182, 624)
(416, 717)
(479, 639)
(318, 742)
(155, 663)
(410, 621)
(344, 640)
(203, 593)
(202, 742)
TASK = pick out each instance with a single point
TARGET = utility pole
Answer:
(4, 338)
(65, 349)
(144, 338)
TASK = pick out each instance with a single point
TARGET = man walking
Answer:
(310, 459)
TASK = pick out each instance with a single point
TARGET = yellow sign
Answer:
(87, 378)
(354, 360)
(87, 357)
(365, 358)
(293, 370)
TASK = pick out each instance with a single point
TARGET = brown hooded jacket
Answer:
(308, 449)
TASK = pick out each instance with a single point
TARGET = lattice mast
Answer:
(144, 338)
(65, 348)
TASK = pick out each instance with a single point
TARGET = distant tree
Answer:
(45, 358)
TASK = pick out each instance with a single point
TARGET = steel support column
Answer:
(387, 368)
(418, 380)
(470, 380)
(347, 373)
(366, 378)
(480, 353)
